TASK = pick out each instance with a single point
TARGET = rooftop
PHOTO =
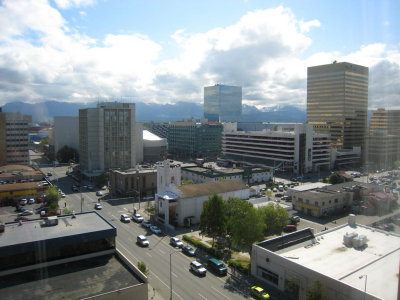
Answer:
(147, 135)
(327, 254)
(310, 186)
(73, 280)
(209, 188)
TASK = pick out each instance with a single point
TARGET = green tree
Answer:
(397, 163)
(212, 218)
(143, 268)
(315, 291)
(44, 142)
(52, 198)
(244, 223)
(335, 178)
(65, 154)
(274, 217)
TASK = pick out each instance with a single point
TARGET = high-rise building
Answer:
(107, 137)
(194, 140)
(14, 138)
(223, 103)
(337, 103)
(385, 120)
(66, 132)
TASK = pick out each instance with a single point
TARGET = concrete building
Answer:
(291, 147)
(342, 259)
(66, 132)
(14, 138)
(223, 103)
(107, 137)
(160, 129)
(68, 257)
(133, 182)
(213, 173)
(341, 158)
(194, 140)
(154, 147)
(337, 103)
(178, 205)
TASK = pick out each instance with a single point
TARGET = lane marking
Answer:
(202, 296)
(163, 252)
(148, 254)
(219, 293)
(152, 273)
(174, 274)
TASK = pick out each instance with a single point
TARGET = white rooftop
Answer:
(310, 186)
(327, 254)
(167, 196)
(147, 135)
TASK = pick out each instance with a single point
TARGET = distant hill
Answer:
(46, 111)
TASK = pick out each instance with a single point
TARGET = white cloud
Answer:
(64, 4)
(42, 58)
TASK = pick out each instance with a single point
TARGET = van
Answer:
(217, 266)
(280, 188)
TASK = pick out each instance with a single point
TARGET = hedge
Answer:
(212, 251)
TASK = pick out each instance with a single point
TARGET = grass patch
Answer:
(240, 264)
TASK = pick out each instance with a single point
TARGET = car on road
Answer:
(142, 241)
(20, 209)
(62, 195)
(198, 268)
(125, 218)
(31, 201)
(26, 213)
(137, 218)
(296, 218)
(259, 292)
(90, 187)
(285, 198)
(104, 187)
(23, 201)
(217, 266)
(146, 224)
(175, 242)
(49, 174)
(98, 206)
(155, 230)
(189, 251)
(99, 194)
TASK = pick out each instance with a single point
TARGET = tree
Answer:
(212, 218)
(52, 198)
(315, 291)
(397, 163)
(244, 223)
(274, 217)
(143, 268)
(66, 154)
(335, 178)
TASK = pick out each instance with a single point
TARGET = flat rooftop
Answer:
(68, 228)
(327, 254)
(73, 280)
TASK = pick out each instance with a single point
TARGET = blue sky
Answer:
(167, 51)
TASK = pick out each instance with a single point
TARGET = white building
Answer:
(154, 147)
(107, 137)
(291, 147)
(182, 205)
(66, 132)
(342, 258)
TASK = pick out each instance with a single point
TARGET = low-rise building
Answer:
(342, 259)
(68, 257)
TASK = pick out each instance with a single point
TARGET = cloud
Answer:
(43, 58)
(65, 4)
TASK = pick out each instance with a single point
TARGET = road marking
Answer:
(114, 217)
(202, 296)
(174, 274)
(163, 252)
(148, 254)
(119, 244)
(219, 292)
(152, 273)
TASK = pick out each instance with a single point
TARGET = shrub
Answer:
(195, 242)
(142, 267)
(242, 265)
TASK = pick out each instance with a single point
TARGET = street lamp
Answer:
(365, 287)
(170, 272)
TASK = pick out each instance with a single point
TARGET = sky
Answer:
(165, 51)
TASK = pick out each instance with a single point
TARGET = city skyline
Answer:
(78, 51)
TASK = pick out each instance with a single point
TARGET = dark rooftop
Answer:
(287, 240)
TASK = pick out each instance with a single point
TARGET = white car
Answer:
(23, 201)
(155, 229)
(31, 201)
(137, 218)
(62, 195)
(98, 206)
(142, 241)
(198, 268)
(125, 218)
(99, 194)
(176, 242)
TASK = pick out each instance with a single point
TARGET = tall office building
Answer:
(107, 137)
(223, 103)
(14, 138)
(337, 103)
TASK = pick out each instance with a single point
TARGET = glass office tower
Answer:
(337, 103)
(223, 103)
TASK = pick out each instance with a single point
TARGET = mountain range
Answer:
(46, 111)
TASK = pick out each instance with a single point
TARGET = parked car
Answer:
(104, 187)
(31, 201)
(217, 266)
(26, 213)
(98, 206)
(290, 228)
(137, 218)
(296, 218)
(90, 187)
(278, 195)
(125, 218)
(146, 224)
(175, 242)
(259, 292)
(20, 209)
(198, 268)
(99, 194)
(285, 198)
(142, 241)
(23, 201)
(49, 174)
(155, 230)
(189, 251)
(62, 195)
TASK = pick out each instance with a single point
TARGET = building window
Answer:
(269, 276)
(336, 200)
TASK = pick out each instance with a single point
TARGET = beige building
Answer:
(66, 132)
(337, 103)
(14, 138)
(107, 137)
(133, 181)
